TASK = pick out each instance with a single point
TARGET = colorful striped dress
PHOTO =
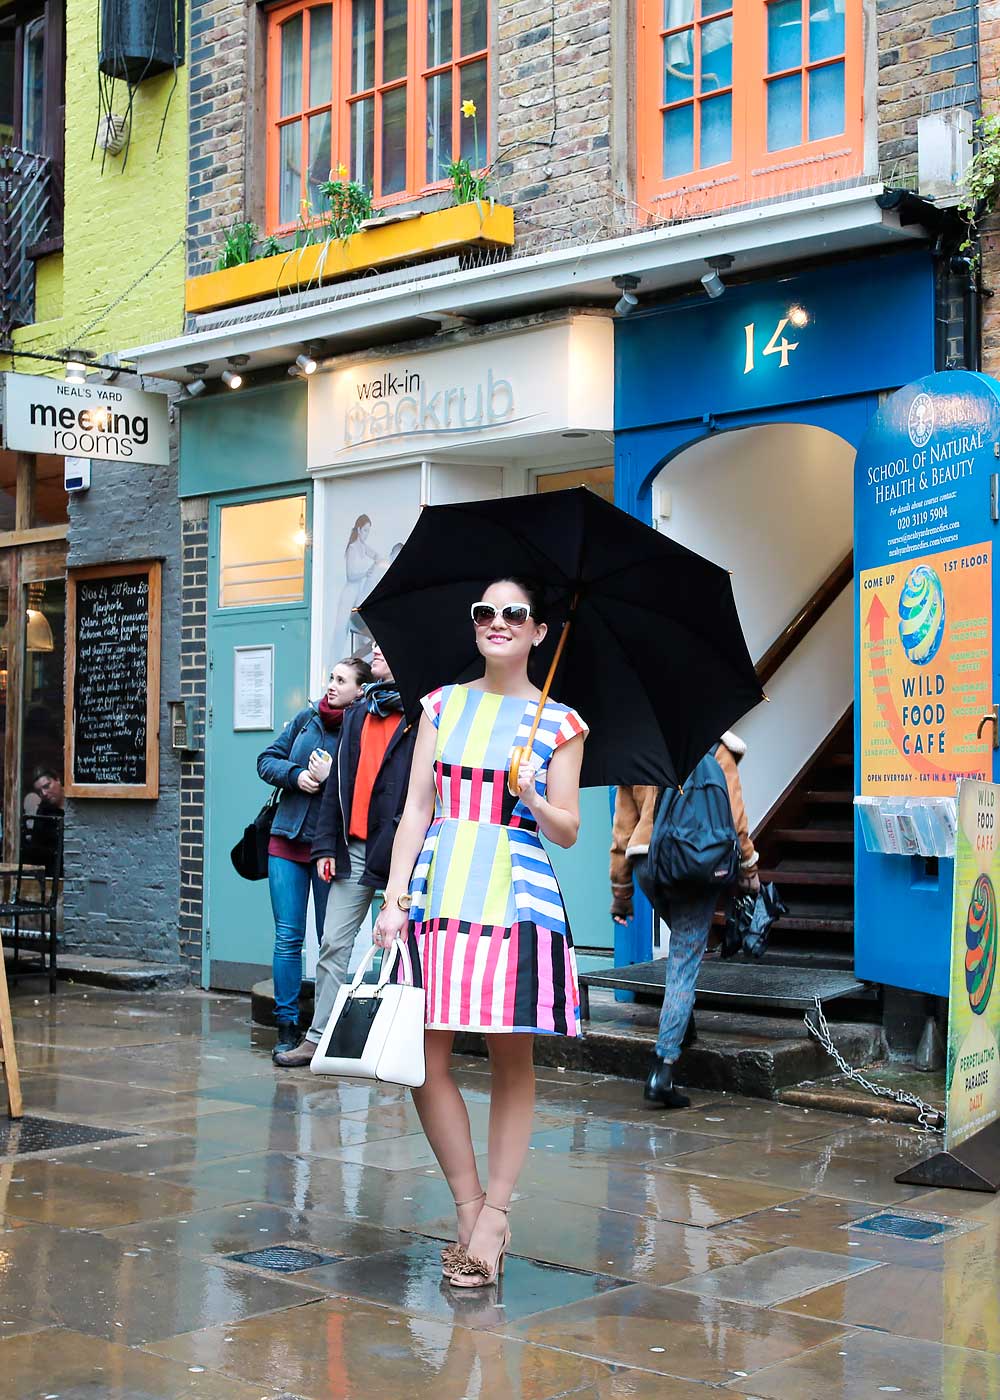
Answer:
(489, 920)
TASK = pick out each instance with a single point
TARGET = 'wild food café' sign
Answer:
(101, 421)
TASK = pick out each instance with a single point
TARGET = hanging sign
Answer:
(924, 586)
(101, 421)
(974, 1003)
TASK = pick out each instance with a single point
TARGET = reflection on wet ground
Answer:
(714, 1250)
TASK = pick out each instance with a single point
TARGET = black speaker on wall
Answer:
(141, 38)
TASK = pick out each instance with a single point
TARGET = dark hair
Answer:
(359, 525)
(45, 773)
(362, 671)
(532, 590)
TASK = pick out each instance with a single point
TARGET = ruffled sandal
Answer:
(453, 1256)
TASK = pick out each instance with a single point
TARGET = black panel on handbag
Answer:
(249, 855)
(351, 1031)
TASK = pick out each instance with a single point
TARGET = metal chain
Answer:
(931, 1119)
(79, 335)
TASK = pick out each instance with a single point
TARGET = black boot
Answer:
(660, 1087)
(288, 1037)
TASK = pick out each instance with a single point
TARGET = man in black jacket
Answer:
(352, 845)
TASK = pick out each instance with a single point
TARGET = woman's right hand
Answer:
(390, 925)
(324, 869)
(307, 782)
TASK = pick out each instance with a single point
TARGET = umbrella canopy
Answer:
(655, 659)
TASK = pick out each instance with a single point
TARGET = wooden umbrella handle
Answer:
(519, 754)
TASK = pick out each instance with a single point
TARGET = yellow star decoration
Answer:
(468, 108)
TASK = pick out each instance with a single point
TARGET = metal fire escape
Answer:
(29, 209)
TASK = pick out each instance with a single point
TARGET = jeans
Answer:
(690, 920)
(289, 882)
(349, 903)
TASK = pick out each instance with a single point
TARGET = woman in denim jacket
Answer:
(299, 762)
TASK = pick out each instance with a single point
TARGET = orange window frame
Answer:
(753, 172)
(345, 98)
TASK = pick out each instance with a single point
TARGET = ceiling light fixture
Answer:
(232, 377)
(628, 300)
(306, 363)
(711, 280)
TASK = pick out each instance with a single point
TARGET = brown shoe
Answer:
(295, 1059)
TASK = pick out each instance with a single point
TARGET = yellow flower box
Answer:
(462, 226)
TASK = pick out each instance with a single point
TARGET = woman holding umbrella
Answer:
(469, 869)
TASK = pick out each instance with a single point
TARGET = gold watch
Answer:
(404, 901)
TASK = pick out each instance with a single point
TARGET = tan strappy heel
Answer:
(477, 1273)
(453, 1255)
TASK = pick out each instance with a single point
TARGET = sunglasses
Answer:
(514, 614)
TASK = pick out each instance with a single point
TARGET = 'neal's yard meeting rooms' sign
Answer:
(113, 680)
(100, 421)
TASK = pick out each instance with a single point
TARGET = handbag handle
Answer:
(397, 950)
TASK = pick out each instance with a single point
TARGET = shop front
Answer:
(737, 421)
(500, 412)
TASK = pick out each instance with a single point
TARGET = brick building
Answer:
(654, 171)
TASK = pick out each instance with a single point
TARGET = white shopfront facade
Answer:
(490, 412)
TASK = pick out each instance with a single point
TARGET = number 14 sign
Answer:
(778, 343)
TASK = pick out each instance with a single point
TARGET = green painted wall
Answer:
(118, 223)
(242, 441)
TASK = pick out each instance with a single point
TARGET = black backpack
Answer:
(694, 843)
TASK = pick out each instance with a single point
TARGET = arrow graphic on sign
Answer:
(875, 622)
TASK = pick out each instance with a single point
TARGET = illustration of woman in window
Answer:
(360, 559)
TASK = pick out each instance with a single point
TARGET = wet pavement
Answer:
(738, 1247)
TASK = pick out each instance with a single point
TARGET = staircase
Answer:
(806, 846)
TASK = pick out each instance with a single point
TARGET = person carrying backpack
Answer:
(684, 848)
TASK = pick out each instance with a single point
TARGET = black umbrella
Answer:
(654, 656)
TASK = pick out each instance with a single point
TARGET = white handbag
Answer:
(376, 1030)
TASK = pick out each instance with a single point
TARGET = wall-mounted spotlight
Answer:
(306, 363)
(232, 377)
(711, 280)
(628, 300)
(76, 372)
(193, 388)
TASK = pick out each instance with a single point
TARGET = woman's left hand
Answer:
(526, 774)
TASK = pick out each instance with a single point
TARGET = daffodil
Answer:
(468, 108)
(342, 172)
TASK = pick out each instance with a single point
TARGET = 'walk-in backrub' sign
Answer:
(924, 587)
(101, 421)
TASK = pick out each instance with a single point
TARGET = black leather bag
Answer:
(249, 855)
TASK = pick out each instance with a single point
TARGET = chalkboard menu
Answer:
(112, 692)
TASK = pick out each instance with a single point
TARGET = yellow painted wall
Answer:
(118, 223)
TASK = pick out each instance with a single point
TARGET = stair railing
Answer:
(806, 618)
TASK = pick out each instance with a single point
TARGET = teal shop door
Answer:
(258, 650)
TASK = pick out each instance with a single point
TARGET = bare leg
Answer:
(512, 1108)
(445, 1120)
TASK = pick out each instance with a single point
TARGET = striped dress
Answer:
(489, 920)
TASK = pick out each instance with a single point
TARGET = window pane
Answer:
(717, 55)
(473, 81)
(363, 141)
(320, 55)
(473, 26)
(677, 12)
(678, 66)
(826, 28)
(717, 129)
(262, 552)
(714, 7)
(439, 32)
(438, 125)
(290, 172)
(394, 140)
(784, 112)
(363, 45)
(393, 40)
(291, 66)
(42, 730)
(784, 35)
(826, 101)
(6, 85)
(33, 86)
(678, 141)
(319, 158)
